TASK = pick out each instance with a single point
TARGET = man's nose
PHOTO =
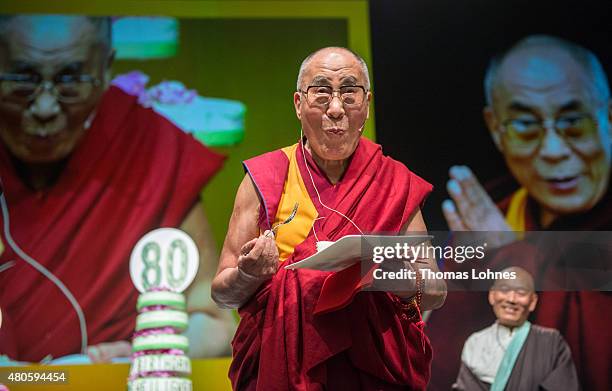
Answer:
(554, 147)
(511, 297)
(336, 107)
(45, 107)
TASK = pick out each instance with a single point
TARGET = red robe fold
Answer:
(134, 171)
(367, 342)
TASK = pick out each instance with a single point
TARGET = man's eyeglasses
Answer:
(507, 289)
(350, 96)
(525, 135)
(67, 88)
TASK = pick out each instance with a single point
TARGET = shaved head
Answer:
(513, 299)
(331, 50)
(523, 280)
(557, 56)
(55, 32)
(332, 127)
(62, 67)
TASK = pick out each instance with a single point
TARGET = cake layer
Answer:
(160, 341)
(161, 318)
(160, 384)
(161, 363)
(174, 300)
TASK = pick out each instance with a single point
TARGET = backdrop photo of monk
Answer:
(86, 171)
(549, 114)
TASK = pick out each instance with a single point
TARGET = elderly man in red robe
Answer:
(549, 113)
(86, 172)
(308, 329)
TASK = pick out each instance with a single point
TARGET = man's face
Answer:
(44, 127)
(566, 171)
(332, 129)
(512, 302)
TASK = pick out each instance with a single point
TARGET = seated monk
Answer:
(307, 329)
(512, 354)
(549, 114)
(86, 173)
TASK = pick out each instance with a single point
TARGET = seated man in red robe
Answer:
(549, 114)
(308, 329)
(86, 172)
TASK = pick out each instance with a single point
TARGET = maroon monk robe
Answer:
(582, 317)
(134, 171)
(367, 342)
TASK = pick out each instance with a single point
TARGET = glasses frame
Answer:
(548, 124)
(334, 91)
(50, 85)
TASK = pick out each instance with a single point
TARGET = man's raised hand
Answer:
(471, 208)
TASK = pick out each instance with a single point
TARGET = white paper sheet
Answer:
(348, 250)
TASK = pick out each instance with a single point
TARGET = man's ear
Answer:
(297, 100)
(534, 302)
(493, 125)
(491, 300)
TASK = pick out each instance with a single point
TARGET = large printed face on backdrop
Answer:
(513, 299)
(552, 128)
(52, 70)
(333, 128)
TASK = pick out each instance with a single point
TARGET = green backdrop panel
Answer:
(254, 61)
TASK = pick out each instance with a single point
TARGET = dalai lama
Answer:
(303, 329)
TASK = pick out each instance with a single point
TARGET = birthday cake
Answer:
(158, 361)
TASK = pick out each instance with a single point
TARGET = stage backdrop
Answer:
(248, 51)
(429, 61)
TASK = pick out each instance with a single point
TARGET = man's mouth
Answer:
(510, 309)
(337, 131)
(44, 130)
(563, 183)
(43, 134)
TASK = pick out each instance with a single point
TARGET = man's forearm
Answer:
(232, 288)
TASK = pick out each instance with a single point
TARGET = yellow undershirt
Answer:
(292, 234)
(515, 216)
